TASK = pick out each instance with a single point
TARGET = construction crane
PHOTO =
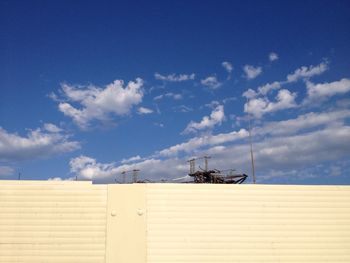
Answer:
(134, 175)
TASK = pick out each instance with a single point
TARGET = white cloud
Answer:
(307, 72)
(279, 147)
(229, 99)
(305, 149)
(206, 140)
(273, 56)
(87, 168)
(143, 110)
(250, 93)
(61, 179)
(227, 66)
(213, 104)
(132, 159)
(286, 153)
(37, 143)
(252, 72)
(300, 73)
(175, 96)
(211, 82)
(6, 170)
(100, 103)
(302, 122)
(52, 127)
(208, 122)
(182, 108)
(265, 89)
(175, 78)
(322, 91)
(260, 106)
(274, 157)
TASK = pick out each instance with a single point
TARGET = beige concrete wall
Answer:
(247, 223)
(126, 223)
(46, 221)
(81, 222)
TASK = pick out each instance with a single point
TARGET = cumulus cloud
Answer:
(304, 149)
(6, 170)
(227, 66)
(262, 90)
(265, 89)
(301, 73)
(323, 91)
(211, 82)
(143, 110)
(216, 117)
(305, 72)
(274, 156)
(260, 106)
(286, 148)
(38, 143)
(196, 143)
(279, 146)
(175, 78)
(52, 128)
(252, 72)
(250, 93)
(97, 103)
(273, 56)
(86, 168)
(303, 122)
(287, 153)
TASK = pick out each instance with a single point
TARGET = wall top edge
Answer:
(176, 185)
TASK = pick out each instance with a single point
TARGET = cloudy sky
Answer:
(90, 89)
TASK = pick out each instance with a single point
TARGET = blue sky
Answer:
(90, 89)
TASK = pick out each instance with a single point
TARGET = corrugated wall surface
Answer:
(51, 221)
(247, 223)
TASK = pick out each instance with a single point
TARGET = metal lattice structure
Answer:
(214, 176)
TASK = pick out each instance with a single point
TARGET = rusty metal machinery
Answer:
(201, 176)
(214, 176)
(217, 177)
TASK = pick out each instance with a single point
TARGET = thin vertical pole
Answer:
(251, 150)
(123, 174)
(206, 158)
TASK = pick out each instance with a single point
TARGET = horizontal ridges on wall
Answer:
(52, 221)
(247, 223)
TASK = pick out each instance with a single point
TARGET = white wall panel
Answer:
(166, 223)
(50, 221)
(248, 223)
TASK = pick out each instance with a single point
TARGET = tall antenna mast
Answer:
(251, 150)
